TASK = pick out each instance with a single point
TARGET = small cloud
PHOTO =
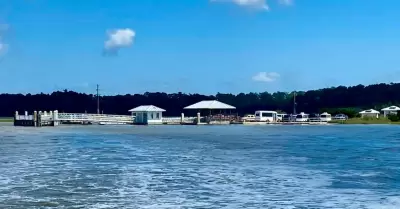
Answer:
(256, 4)
(266, 77)
(117, 39)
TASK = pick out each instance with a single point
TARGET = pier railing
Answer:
(178, 120)
(77, 117)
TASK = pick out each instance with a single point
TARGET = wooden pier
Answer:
(54, 118)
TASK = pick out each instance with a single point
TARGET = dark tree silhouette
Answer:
(348, 100)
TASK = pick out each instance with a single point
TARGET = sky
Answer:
(197, 46)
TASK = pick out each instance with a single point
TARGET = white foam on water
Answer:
(153, 177)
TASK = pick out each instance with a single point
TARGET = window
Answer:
(134, 114)
(158, 116)
(267, 114)
(152, 116)
(257, 114)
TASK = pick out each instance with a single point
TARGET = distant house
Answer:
(390, 110)
(370, 113)
(147, 115)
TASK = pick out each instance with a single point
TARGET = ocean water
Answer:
(200, 167)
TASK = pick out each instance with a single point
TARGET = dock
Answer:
(54, 118)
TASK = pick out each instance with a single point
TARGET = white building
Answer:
(390, 110)
(325, 117)
(147, 114)
(370, 113)
(266, 116)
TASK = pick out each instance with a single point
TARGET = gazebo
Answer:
(211, 105)
(390, 110)
(370, 113)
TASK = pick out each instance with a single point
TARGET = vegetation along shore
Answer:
(347, 100)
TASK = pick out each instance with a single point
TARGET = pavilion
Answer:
(370, 113)
(390, 110)
(212, 105)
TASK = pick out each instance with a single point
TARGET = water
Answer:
(200, 167)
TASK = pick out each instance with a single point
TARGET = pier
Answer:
(54, 118)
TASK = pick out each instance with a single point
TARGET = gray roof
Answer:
(147, 108)
(391, 108)
(211, 104)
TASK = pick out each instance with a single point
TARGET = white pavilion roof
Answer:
(147, 108)
(391, 108)
(369, 111)
(210, 105)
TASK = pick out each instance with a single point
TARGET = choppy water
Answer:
(200, 167)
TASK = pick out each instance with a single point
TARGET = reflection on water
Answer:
(200, 167)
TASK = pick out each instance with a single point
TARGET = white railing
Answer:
(77, 117)
(178, 119)
(24, 117)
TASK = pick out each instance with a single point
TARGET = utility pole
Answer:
(98, 99)
(294, 103)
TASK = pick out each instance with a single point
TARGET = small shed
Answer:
(370, 113)
(147, 114)
(390, 110)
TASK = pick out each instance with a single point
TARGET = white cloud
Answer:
(256, 4)
(266, 77)
(118, 39)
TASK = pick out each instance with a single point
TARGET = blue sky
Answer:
(197, 46)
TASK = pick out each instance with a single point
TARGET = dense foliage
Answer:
(347, 100)
(394, 117)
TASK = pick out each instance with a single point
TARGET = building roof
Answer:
(391, 108)
(369, 111)
(325, 113)
(147, 108)
(210, 105)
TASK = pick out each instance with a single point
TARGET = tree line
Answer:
(341, 99)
